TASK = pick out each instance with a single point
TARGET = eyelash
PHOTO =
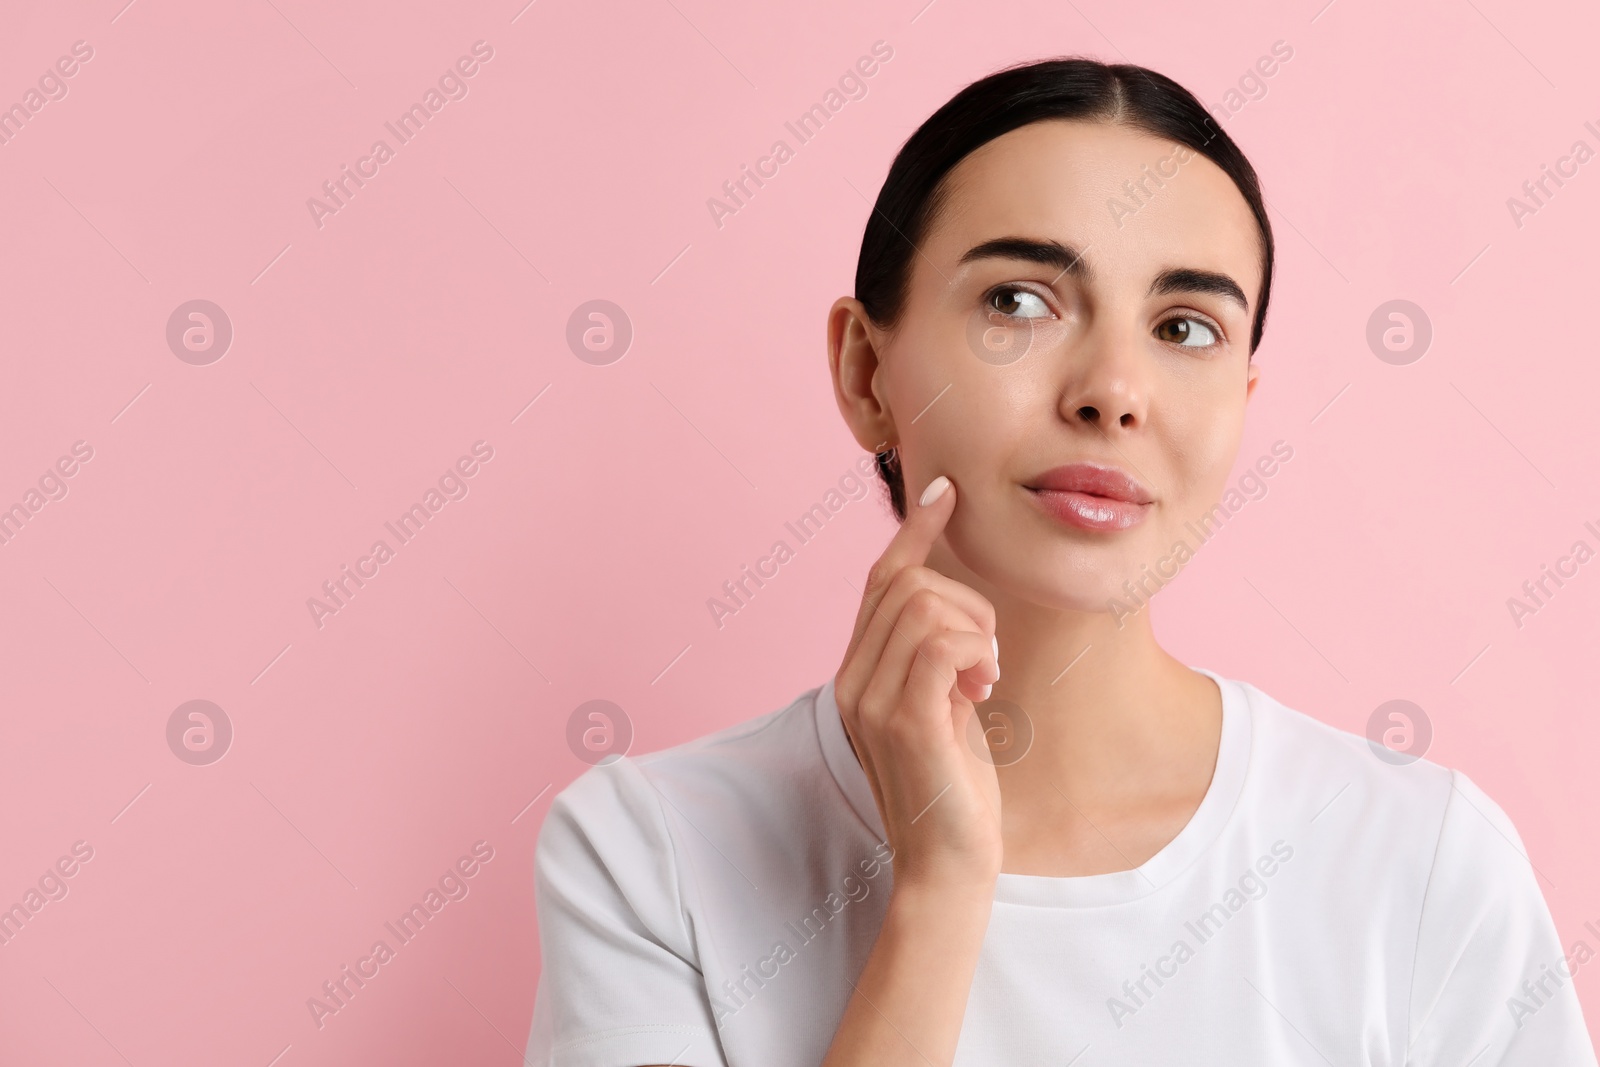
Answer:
(1205, 320)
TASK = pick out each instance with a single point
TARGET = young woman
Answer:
(1097, 855)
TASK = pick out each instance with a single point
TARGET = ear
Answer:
(854, 360)
(1250, 386)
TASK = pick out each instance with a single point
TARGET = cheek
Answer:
(986, 425)
(1204, 431)
(952, 412)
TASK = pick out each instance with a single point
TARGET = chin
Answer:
(1057, 571)
(1093, 585)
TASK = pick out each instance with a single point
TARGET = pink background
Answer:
(371, 352)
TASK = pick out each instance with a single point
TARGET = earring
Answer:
(886, 453)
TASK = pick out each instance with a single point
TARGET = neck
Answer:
(1113, 714)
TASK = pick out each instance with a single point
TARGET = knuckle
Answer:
(924, 605)
(879, 575)
(869, 709)
(940, 646)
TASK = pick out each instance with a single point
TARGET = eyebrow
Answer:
(1069, 260)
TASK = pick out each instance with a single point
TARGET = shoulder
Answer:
(1424, 835)
(639, 800)
(1389, 782)
(619, 845)
(1334, 777)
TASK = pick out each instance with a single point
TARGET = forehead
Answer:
(1095, 186)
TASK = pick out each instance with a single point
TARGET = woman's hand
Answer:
(922, 652)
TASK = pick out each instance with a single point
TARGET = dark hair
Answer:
(1069, 87)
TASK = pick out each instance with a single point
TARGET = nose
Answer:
(1107, 381)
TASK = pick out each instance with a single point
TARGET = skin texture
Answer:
(1125, 735)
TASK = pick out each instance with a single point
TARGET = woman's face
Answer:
(1065, 308)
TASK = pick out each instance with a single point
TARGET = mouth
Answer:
(1091, 497)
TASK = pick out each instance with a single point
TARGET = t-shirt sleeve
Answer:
(1492, 985)
(619, 982)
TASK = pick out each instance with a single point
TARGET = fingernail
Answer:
(996, 642)
(934, 491)
(987, 689)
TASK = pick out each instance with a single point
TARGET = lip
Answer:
(1091, 497)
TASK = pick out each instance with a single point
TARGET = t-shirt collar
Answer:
(1202, 829)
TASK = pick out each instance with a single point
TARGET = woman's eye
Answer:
(1191, 333)
(1018, 303)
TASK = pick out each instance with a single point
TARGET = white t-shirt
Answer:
(710, 904)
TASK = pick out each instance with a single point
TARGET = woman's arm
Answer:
(910, 1000)
(908, 1004)
(922, 650)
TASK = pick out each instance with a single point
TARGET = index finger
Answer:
(914, 540)
(908, 547)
